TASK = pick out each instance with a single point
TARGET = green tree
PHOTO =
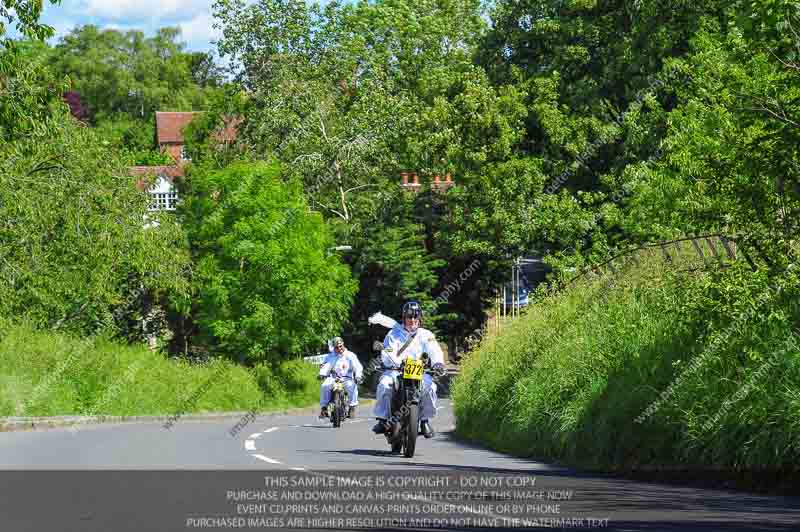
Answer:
(393, 262)
(599, 83)
(76, 250)
(225, 111)
(266, 286)
(133, 139)
(348, 95)
(24, 16)
(125, 72)
(29, 91)
(77, 243)
(732, 145)
(205, 71)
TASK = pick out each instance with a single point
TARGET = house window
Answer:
(163, 195)
(164, 201)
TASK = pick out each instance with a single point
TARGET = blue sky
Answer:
(192, 16)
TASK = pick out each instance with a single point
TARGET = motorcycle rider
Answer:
(408, 340)
(345, 364)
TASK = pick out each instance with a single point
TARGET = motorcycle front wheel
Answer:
(336, 415)
(412, 427)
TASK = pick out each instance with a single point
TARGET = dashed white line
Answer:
(250, 445)
(298, 468)
(265, 458)
(344, 480)
(254, 436)
(270, 429)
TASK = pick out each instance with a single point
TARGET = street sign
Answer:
(319, 359)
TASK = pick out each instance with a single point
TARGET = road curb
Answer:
(12, 424)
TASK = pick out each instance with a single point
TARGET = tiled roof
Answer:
(169, 126)
(170, 172)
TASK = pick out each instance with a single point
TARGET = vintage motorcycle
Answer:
(337, 407)
(404, 423)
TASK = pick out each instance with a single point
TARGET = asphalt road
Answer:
(141, 476)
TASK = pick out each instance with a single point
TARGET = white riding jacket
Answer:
(346, 365)
(425, 342)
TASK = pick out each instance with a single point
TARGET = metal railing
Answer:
(718, 248)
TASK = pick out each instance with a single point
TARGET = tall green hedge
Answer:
(651, 368)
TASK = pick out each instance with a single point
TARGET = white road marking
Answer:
(254, 436)
(416, 497)
(250, 445)
(315, 473)
(265, 458)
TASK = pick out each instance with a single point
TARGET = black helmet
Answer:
(412, 309)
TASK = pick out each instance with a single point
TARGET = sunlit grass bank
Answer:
(46, 374)
(649, 368)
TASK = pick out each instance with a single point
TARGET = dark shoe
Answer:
(380, 427)
(323, 412)
(427, 429)
(351, 412)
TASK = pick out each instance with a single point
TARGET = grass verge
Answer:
(647, 370)
(48, 374)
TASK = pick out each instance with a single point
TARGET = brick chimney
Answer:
(436, 186)
(442, 186)
(414, 185)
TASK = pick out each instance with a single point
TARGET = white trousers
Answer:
(383, 396)
(325, 391)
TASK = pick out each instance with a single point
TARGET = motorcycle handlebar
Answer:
(335, 376)
(427, 370)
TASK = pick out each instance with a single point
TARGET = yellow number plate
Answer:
(413, 369)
